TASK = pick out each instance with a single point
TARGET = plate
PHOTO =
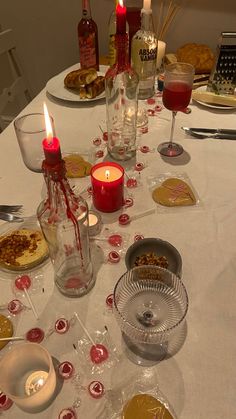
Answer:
(30, 223)
(56, 88)
(160, 248)
(208, 105)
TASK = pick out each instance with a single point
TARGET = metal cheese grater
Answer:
(223, 76)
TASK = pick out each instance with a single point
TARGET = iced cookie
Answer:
(145, 406)
(174, 192)
(6, 329)
(76, 166)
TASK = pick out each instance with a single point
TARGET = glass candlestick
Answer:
(63, 217)
(121, 83)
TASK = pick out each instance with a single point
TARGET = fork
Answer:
(10, 208)
(6, 216)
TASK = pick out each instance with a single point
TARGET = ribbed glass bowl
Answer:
(150, 303)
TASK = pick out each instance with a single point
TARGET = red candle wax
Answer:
(120, 19)
(107, 181)
(52, 151)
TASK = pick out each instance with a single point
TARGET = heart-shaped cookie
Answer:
(174, 192)
(76, 166)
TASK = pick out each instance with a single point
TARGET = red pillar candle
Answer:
(120, 18)
(51, 145)
(107, 180)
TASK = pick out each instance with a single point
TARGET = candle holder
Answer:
(30, 131)
(121, 85)
(28, 377)
(108, 186)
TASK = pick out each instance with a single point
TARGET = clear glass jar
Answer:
(63, 218)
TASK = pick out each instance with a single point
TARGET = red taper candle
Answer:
(120, 18)
(51, 145)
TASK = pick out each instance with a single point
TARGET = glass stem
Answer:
(172, 127)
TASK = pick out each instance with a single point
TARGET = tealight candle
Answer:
(107, 181)
(35, 381)
(95, 223)
(28, 377)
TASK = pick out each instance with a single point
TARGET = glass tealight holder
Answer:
(28, 377)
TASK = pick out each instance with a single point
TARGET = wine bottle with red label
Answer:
(88, 38)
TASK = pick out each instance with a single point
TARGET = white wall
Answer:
(45, 30)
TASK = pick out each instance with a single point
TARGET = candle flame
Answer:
(107, 174)
(47, 124)
(121, 3)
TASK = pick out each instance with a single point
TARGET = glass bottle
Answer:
(121, 83)
(112, 34)
(144, 54)
(88, 38)
(63, 218)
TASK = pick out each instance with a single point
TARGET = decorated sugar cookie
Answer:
(174, 192)
(76, 166)
(6, 329)
(145, 406)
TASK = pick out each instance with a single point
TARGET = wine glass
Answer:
(178, 82)
(150, 303)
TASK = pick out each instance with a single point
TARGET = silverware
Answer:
(6, 216)
(10, 208)
(224, 134)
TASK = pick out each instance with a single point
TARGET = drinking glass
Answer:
(178, 82)
(30, 131)
(150, 304)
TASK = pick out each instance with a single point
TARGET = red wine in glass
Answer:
(177, 91)
(177, 95)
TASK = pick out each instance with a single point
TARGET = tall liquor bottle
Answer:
(88, 38)
(121, 83)
(144, 52)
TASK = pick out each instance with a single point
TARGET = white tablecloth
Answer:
(199, 380)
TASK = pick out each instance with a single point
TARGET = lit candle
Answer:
(120, 18)
(108, 186)
(35, 382)
(95, 223)
(147, 4)
(51, 145)
(161, 48)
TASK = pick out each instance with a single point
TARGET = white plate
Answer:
(56, 88)
(208, 105)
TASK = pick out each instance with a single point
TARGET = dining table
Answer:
(198, 379)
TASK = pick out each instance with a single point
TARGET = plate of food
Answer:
(22, 246)
(78, 85)
(212, 100)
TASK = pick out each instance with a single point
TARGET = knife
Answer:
(224, 134)
(211, 130)
(6, 216)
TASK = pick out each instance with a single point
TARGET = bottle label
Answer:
(87, 47)
(143, 59)
(148, 54)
